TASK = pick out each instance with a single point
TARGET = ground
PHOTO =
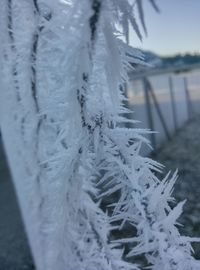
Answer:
(182, 152)
(14, 249)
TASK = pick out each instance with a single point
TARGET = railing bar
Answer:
(188, 99)
(149, 112)
(174, 112)
(150, 88)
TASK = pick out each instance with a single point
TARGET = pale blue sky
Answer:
(175, 30)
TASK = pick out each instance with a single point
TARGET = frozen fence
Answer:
(164, 100)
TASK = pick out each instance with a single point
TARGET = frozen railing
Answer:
(163, 100)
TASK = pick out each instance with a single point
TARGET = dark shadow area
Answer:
(14, 249)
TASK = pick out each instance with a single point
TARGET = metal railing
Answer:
(164, 100)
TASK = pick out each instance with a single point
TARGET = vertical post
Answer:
(171, 88)
(157, 107)
(149, 112)
(188, 100)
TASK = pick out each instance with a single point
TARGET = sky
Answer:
(176, 29)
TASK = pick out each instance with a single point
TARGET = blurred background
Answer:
(165, 97)
(166, 94)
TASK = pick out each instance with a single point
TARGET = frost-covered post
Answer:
(63, 70)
